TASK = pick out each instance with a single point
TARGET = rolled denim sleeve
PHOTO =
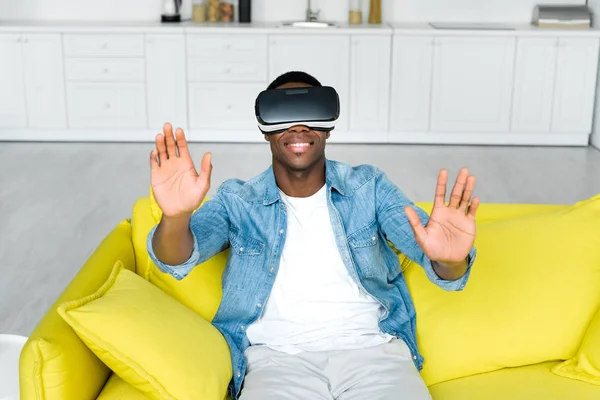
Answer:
(394, 224)
(210, 229)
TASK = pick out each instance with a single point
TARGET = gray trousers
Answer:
(384, 372)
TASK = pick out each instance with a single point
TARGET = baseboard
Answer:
(254, 136)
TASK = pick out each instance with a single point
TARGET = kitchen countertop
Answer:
(398, 28)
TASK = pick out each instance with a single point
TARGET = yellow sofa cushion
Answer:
(201, 290)
(532, 293)
(117, 389)
(151, 341)
(585, 366)
(532, 382)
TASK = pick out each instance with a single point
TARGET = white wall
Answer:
(275, 10)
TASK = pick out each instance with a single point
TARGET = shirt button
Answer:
(347, 258)
(271, 269)
(242, 327)
(259, 305)
(239, 374)
(374, 238)
(415, 357)
(281, 231)
(241, 249)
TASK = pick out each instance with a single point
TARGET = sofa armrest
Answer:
(55, 364)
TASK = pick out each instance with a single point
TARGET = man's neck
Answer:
(300, 183)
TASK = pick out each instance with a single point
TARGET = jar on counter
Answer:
(355, 15)
(227, 11)
(199, 10)
(213, 11)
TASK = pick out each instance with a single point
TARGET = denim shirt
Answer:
(249, 217)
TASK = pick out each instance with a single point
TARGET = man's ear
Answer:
(328, 134)
(267, 138)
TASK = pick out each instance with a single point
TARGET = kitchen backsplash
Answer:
(276, 10)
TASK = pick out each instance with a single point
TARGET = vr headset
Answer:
(277, 110)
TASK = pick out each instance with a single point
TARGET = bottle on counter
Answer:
(213, 11)
(227, 11)
(199, 10)
(375, 12)
(245, 10)
(355, 15)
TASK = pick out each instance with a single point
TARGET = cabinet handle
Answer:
(19, 40)
(227, 71)
(105, 45)
(107, 106)
(228, 107)
(228, 47)
(25, 40)
(105, 70)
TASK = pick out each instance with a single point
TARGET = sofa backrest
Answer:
(201, 290)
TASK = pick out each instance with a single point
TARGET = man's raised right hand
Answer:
(178, 188)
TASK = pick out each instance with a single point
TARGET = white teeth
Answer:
(300, 144)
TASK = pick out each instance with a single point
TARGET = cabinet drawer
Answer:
(93, 45)
(202, 70)
(104, 69)
(230, 47)
(223, 106)
(107, 105)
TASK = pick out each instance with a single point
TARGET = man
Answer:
(314, 304)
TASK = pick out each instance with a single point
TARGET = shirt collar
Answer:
(332, 179)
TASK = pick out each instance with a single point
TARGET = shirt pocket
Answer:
(365, 244)
(244, 245)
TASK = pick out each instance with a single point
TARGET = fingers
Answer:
(182, 146)
(170, 141)
(161, 148)
(154, 160)
(415, 223)
(473, 208)
(466, 197)
(205, 171)
(440, 189)
(459, 187)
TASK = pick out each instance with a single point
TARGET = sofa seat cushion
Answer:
(117, 389)
(521, 383)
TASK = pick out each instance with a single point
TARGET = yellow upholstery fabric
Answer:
(117, 389)
(585, 366)
(533, 382)
(154, 343)
(532, 293)
(201, 290)
(55, 364)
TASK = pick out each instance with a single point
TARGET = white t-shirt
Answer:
(315, 305)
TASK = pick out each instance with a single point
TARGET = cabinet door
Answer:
(370, 83)
(224, 106)
(326, 57)
(472, 84)
(534, 85)
(12, 89)
(411, 84)
(166, 80)
(44, 81)
(576, 72)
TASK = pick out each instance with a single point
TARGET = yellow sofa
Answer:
(460, 364)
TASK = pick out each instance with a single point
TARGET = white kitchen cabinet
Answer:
(223, 106)
(411, 84)
(166, 80)
(13, 113)
(535, 74)
(472, 84)
(44, 81)
(576, 72)
(107, 105)
(370, 83)
(326, 57)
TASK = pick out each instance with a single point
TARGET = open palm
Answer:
(177, 187)
(449, 234)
